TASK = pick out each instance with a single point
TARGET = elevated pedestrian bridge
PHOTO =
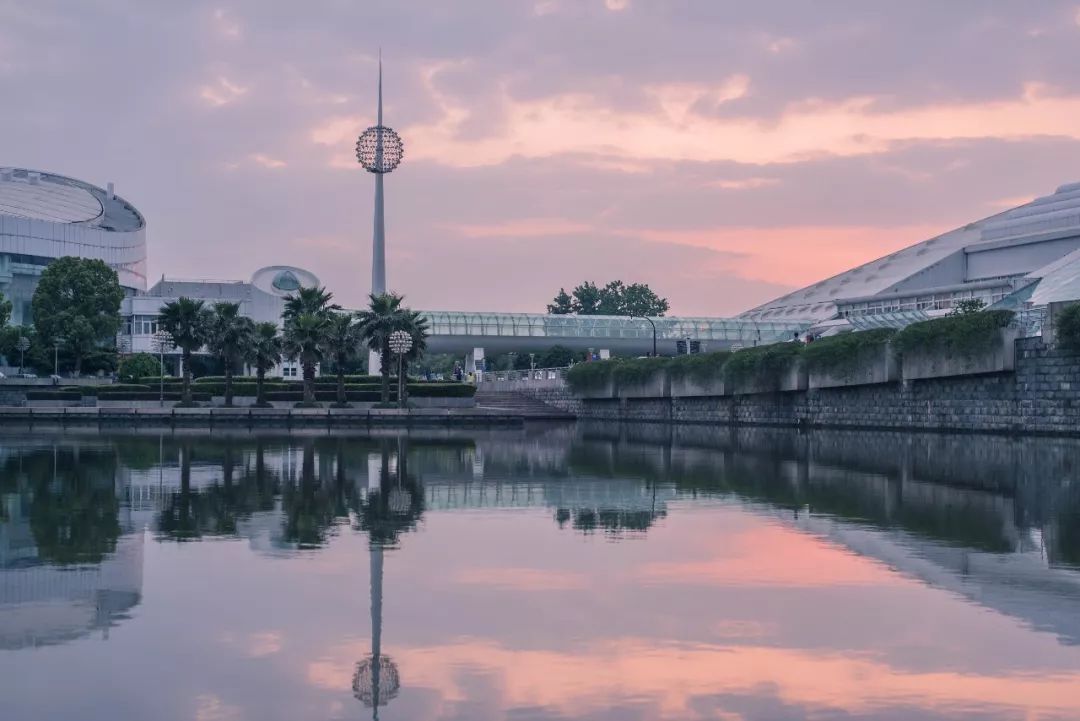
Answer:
(462, 332)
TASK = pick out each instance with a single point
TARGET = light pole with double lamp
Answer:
(162, 342)
(400, 343)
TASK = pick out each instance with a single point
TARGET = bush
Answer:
(841, 354)
(133, 368)
(1067, 327)
(638, 370)
(761, 363)
(150, 396)
(591, 375)
(53, 396)
(954, 335)
(439, 390)
(114, 388)
(699, 365)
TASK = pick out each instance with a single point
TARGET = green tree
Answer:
(967, 307)
(304, 341)
(381, 318)
(78, 300)
(264, 353)
(615, 298)
(342, 340)
(562, 304)
(306, 319)
(188, 321)
(137, 366)
(312, 300)
(5, 310)
(230, 338)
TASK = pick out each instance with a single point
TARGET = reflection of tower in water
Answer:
(393, 505)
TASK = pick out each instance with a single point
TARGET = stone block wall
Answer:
(1042, 395)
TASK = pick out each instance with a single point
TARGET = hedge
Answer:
(53, 396)
(591, 375)
(842, 353)
(954, 335)
(151, 396)
(440, 390)
(321, 379)
(1067, 327)
(297, 396)
(638, 370)
(761, 362)
(699, 365)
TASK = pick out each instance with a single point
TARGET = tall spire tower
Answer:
(379, 150)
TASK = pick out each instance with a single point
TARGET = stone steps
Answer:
(519, 403)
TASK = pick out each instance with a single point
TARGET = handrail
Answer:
(523, 375)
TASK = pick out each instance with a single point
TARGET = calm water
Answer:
(548, 573)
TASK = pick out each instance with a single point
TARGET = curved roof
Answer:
(1058, 213)
(36, 195)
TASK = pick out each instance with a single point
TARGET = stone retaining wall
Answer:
(1042, 395)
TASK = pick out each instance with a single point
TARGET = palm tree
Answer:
(308, 300)
(342, 340)
(231, 337)
(305, 339)
(188, 322)
(383, 316)
(264, 353)
(416, 326)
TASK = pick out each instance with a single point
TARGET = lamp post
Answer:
(57, 342)
(22, 346)
(400, 343)
(645, 317)
(162, 342)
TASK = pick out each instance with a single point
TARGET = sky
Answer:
(722, 152)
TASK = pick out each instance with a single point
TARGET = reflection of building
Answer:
(45, 216)
(42, 604)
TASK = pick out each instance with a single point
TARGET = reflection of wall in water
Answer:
(43, 604)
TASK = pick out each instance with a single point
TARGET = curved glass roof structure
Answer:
(26, 194)
(605, 327)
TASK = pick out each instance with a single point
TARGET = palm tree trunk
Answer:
(309, 381)
(186, 397)
(228, 383)
(260, 376)
(341, 379)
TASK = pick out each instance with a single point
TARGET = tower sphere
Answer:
(379, 149)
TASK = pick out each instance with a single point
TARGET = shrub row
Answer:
(842, 353)
(419, 390)
(53, 396)
(1067, 327)
(151, 396)
(954, 335)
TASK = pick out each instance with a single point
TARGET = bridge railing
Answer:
(533, 374)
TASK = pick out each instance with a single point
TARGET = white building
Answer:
(262, 299)
(1023, 258)
(44, 216)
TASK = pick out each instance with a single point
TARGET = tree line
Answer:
(314, 330)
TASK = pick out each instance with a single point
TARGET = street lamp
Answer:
(163, 341)
(645, 317)
(400, 343)
(22, 346)
(57, 342)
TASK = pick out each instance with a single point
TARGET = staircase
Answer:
(520, 403)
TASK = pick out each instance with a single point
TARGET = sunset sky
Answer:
(723, 152)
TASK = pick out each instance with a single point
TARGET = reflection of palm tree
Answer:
(309, 506)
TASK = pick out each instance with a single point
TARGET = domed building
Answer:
(44, 216)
